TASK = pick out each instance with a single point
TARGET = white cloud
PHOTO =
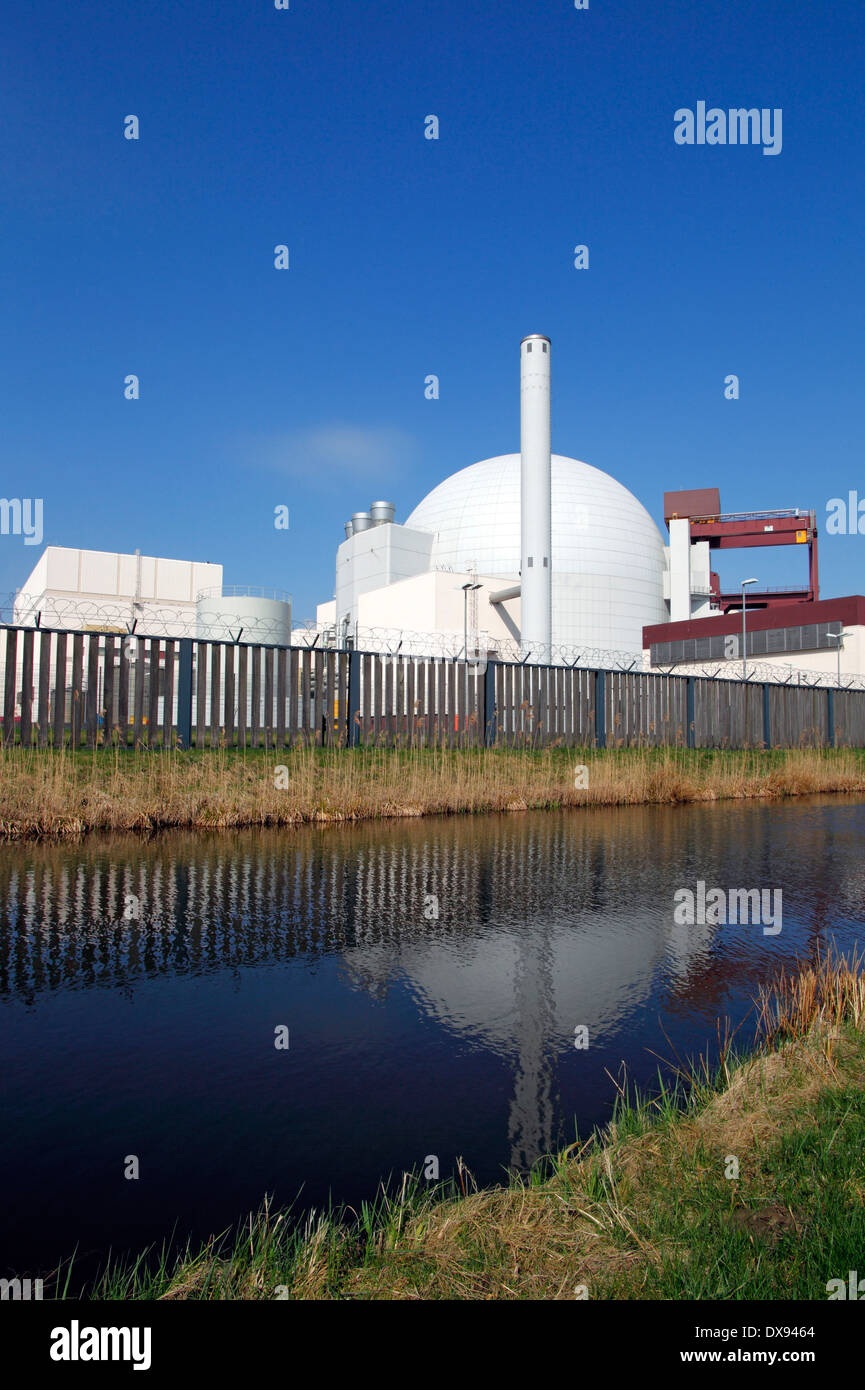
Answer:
(323, 454)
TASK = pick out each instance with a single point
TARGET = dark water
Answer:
(408, 1035)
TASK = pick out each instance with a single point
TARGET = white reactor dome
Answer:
(607, 553)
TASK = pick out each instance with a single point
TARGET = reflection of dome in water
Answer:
(608, 554)
(583, 976)
(522, 996)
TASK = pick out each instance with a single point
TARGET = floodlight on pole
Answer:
(839, 638)
(467, 589)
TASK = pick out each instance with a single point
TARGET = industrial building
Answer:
(789, 626)
(105, 591)
(138, 595)
(522, 554)
(91, 590)
(539, 556)
(531, 556)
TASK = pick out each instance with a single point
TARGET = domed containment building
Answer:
(526, 553)
(607, 553)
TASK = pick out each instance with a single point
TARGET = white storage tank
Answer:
(259, 615)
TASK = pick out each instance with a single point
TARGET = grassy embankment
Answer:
(63, 794)
(643, 1210)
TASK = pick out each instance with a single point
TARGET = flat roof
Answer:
(849, 611)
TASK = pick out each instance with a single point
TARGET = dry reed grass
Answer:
(44, 794)
(826, 994)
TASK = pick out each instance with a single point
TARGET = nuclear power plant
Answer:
(543, 551)
(530, 557)
(539, 556)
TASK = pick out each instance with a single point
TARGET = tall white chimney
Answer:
(536, 498)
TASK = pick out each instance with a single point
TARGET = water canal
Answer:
(427, 975)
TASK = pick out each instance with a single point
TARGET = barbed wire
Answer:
(763, 672)
(393, 641)
(147, 619)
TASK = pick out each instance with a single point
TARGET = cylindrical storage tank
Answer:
(258, 615)
(536, 626)
(382, 512)
(361, 521)
(349, 530)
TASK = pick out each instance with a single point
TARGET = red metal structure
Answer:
(741, 531)
(847, 612)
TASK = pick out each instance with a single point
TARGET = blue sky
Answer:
(410, 256)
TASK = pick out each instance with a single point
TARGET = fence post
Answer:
(767, 717)
(600, 709)
(184, 694)
(353, 738)
(692, 731)
(10, 683)
(490, 704)
(830, 716)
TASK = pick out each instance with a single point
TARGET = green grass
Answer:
(793, 1219)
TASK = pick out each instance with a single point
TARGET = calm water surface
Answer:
(409, 1035)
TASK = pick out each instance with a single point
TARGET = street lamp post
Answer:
(839, 638)
(745, 583)
(467, 589)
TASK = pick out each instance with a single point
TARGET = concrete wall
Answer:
(687, 576)
(111, 574)
(680, 570)
(371, 559)
(325, 613)
(86, 588)
(433, 603)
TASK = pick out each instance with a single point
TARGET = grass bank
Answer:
(48, 794)
(647, 1210)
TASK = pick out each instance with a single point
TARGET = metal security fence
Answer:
(93, 689)
(77, 613)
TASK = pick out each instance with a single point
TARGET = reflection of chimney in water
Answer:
(532, 1110)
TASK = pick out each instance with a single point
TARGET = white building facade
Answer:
(93, 590)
